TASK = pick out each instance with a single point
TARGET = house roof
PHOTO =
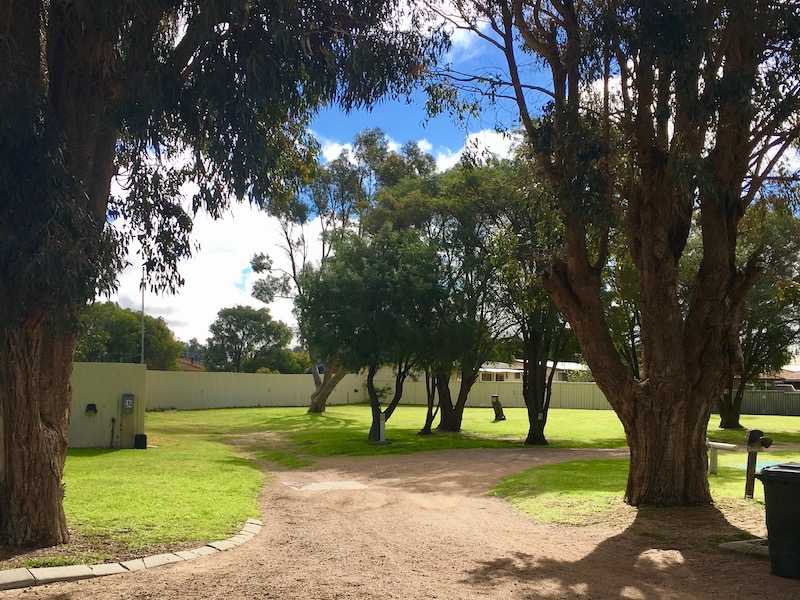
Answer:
(516, 367)
(499, 367)
(788, 374)
(185, 364)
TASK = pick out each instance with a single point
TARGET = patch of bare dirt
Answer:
(423, 526)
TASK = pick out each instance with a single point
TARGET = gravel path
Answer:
(422, 526)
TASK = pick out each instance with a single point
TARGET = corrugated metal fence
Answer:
(757, 402)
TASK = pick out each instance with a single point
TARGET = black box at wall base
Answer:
(782, 497)
(140, 441)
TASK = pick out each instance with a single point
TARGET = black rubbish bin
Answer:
(140, 441)
(782, 496)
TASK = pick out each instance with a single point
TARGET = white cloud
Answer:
(424, 145)
(218, 275)
(478, 143)
(331, 149)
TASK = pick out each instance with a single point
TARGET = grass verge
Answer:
(183, 490)
(590, 492)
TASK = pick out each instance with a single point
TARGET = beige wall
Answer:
(103, 384)
(184, 390)
(565, 395)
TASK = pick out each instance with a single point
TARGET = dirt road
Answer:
(422, 526)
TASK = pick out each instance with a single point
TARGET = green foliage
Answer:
(771, 325)
(194, 351)
(371, 303)
(244, 339)
(110, 333)
(49, 254)
(341, 195)
(287, 362)
(456, 213)
(167, 92)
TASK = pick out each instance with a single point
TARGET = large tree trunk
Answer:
(446, 407)
(453, 414)
(35, 368)
(730, 407)
(536, 393)
(319, 398)
(374, 398)
(542, 336)
(668, 459)
(374, 404)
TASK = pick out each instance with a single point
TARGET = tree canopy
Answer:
(340, 197)
(110, 333)
(372, 305)
(163, 97)
(244, 339)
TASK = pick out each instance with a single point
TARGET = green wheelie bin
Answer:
(782, 497)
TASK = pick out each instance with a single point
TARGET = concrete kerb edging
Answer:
(19, 578)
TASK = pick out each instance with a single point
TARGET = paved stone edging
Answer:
(19, 578)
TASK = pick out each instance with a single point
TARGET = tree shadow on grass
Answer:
(663, 553)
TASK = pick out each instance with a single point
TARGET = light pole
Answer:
(141, 358)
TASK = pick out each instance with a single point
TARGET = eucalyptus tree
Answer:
(157, 93)
(770, 328)
(330, 200)
(456, 212)
(338, 196)
(243, 338)
(648, 116)
(529, 230)
(770, 325)
(370, 307)
(109, 333)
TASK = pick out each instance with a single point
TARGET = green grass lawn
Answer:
(342, 430)
(184, 489)
(200, 478)
(585, 492)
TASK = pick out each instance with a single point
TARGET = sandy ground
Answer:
(422, 526)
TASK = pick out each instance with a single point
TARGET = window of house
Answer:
(500, 377)
(486, 376)
(517, 375)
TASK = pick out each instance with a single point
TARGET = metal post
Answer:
(141, 357)
(714, 460)
(750, 482)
